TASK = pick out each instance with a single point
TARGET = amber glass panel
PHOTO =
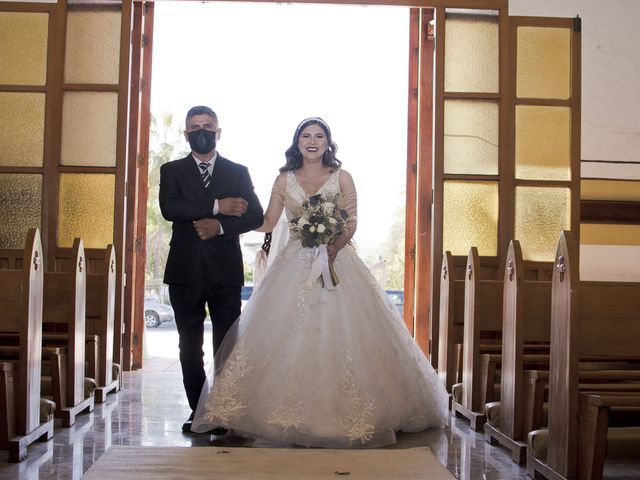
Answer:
(86, 209)
(544, 63)
(543, 142)
(470, 217)
(471, 137)
(21, 200)
(471, 53)
(89, 121)
(541, 214)
(21, 129)
(92, 52)
(23, 48)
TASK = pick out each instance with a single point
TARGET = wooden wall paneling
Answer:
(130, 264)
(425, 333)
(122, 334)
(143, 172)
(412, 170)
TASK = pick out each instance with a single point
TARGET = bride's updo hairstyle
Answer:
(294, 155)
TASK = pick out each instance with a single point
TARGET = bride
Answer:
(320, 356)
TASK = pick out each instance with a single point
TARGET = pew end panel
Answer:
(21, 312)
(451, 321)
(100, 322)
(482, 318)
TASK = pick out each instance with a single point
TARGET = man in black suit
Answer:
(210, 201)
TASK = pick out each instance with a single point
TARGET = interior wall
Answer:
(610, 138)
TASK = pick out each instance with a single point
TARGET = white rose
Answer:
(328, 207)
(302, 221)
(312, 229)
(321, 228)
(332, 221)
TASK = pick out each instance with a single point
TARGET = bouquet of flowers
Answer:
(321, 222)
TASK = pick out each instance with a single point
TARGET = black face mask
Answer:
(202, 141)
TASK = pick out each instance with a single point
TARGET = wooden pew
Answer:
(21, 311)
(451, 313)
(588, 319)
(100, 315)
(595, 411)
(525, 321)
(64, 325)
(526, 325)
(64, 335)
(101, 297)
(482, 322)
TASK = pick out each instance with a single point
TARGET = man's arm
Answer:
(173, 206)
(252, 218)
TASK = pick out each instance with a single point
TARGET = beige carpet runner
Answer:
(191, 463)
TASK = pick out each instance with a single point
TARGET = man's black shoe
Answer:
(219, 431)
(186, 426)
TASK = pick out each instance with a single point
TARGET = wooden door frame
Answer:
(419, 198)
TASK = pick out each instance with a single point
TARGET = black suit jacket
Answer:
(183, 199)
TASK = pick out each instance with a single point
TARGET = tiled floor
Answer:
(152, 406)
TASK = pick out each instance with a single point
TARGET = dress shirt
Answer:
(210, 164)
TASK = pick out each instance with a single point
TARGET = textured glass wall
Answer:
(543, 142)
(86, 209)
(23, 48)
(471, 53)
(89, 128)
(543, 63)
(541, 214)
(92, 53)
(471, 137)
(21, 201)
(21, 129)
(470, 217)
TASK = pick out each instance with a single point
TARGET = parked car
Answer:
(247, 290)
(397, 297)
(156, 313)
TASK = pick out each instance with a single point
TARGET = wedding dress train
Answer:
(309, 366)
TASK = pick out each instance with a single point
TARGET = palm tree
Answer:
(164, 142)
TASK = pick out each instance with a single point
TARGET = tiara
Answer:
(311, 120)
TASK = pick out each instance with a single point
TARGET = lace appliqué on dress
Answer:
(224, 403)
(288, 413)
(357, 422)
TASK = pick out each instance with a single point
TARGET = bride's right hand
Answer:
(332, 252)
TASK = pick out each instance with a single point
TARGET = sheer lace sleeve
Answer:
(276, 204)
(348, 201)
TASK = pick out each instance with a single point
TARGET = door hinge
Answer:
(145, 40)
(135, 339)
(577, 24)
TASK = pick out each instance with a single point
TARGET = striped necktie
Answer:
(206, 178)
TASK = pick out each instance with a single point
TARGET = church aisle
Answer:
(150, 409)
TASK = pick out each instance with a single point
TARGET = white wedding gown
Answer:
(308, 366)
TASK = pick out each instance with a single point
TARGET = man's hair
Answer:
(200, 110)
